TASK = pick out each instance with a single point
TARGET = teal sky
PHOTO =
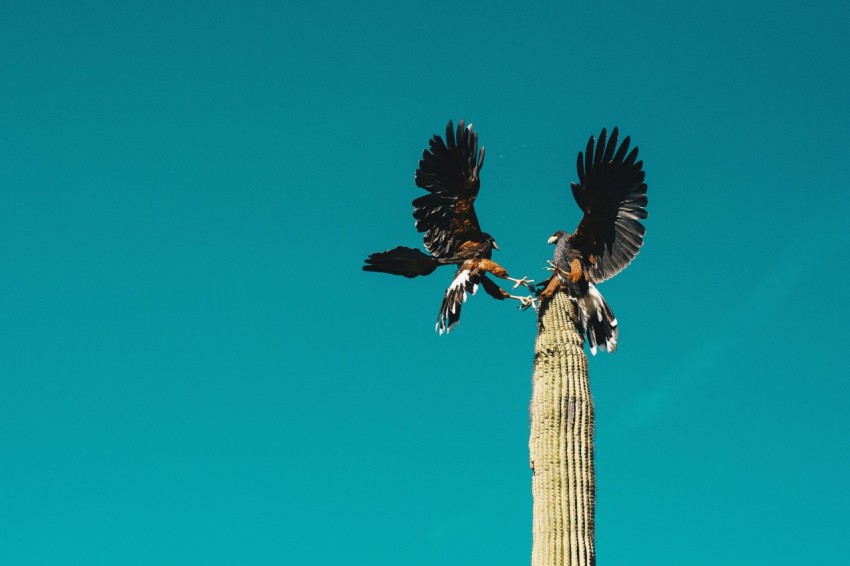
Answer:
(194, 369)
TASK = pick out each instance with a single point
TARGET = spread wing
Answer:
(449, 172)
(612, 195)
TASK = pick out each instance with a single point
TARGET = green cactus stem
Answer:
(563, 486)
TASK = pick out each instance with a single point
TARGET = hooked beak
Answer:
(552, 239)
(495, 246)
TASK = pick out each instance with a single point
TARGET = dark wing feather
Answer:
(401, 260)
(612, 195)
(449, 172)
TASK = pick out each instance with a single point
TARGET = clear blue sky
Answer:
(194, 370)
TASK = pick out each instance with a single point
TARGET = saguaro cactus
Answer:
(561, 444)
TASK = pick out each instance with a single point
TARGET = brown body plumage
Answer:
(612, 195)
(449, 170)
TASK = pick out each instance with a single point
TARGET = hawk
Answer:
(449, 171)
(612, 195)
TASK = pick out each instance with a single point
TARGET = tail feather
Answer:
(597, 321)
(454, 298)
(401, 260)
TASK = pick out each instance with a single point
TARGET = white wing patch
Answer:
(455, 296)
(459, 285)
(460, 281)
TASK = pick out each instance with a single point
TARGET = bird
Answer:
(450, 173)
(612, 195)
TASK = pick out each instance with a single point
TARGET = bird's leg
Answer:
(498, 293)
(556, 272)
(492, 267)
(575, 271)
(525, 282)
(551, 288)
(527, 301)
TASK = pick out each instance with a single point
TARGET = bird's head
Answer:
(490, 240)
(553, 239)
